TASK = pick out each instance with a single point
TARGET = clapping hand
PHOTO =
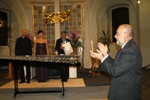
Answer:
(98, 55)
(101, 52)
(103, 48)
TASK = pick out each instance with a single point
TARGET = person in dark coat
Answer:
(125, 69)
(59, 48)
(23, 47)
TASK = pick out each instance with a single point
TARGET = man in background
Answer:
(23, 47)
(59, 48)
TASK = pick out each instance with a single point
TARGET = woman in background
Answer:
(41, 48)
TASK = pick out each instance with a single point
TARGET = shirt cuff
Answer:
(104, 58)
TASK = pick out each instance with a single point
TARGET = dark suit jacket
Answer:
(23, 46)
(58, 44)
(126, 73)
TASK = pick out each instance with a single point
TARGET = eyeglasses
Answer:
(117, 33)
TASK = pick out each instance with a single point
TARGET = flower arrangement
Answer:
(75, 40)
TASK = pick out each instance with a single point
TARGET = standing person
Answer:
(23, 47)
(125, 69)
(59, 48)
(41, 48)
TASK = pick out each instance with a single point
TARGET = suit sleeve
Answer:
(57, 47)
(122, 63)
(68, 40)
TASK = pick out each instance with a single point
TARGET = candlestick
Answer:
(91, 45)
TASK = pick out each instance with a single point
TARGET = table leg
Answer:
(15, 81)
(63, 69)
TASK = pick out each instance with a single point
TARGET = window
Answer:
(119, 16)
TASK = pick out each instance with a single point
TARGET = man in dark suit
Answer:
(125, 69)
(23, 47)
(59, 48)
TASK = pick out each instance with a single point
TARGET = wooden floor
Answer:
(73, 82)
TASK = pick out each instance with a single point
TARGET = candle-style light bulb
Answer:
(91, 45)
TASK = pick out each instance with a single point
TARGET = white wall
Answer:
(139, 19)
(144, 17)
(96, 19)
(18, 16)
(104, 19)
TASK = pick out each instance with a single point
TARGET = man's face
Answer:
(24, 33)
(63, 36)
(120, 36)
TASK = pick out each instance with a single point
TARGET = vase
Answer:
(75, 51)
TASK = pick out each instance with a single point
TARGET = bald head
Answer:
(23, 32)
(124, 34)
(127, 28)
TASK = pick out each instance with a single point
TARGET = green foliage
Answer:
(75, 43)
(5, 33)
(105, 39)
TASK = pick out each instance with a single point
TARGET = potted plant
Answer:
(75, 42)
(5, 31)
(105, 38)
(6, 39)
